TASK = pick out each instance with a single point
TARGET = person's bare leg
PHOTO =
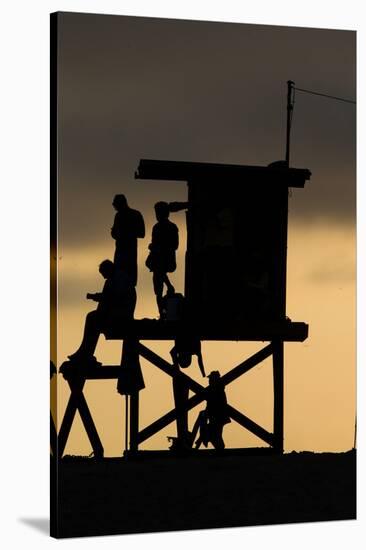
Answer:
(216, 437)
(158, 282)
(90, 337)
(169, 286)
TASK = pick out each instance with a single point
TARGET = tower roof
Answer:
(205, 171)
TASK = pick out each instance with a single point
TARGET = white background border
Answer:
(24, 218)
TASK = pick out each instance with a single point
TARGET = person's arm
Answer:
(154, 238)
(175, 237)
(177, 206)
(96, 296)
(106, 297)
(114, 230)
(140, 226)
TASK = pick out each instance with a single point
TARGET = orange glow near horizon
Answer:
(319, 373)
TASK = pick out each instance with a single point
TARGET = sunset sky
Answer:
(132, 88)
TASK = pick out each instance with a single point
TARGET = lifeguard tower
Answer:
(235, 285)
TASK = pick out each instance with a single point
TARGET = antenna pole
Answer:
(290, 106)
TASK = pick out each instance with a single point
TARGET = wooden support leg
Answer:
(278, 387)
(90, 428)
(126, 423)
(181, 391)
(134, 421)
(53, 436)
(132, 379)
(77, 401)
(67, 420)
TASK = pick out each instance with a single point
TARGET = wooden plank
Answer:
(77, 402)
(246, 365)
(151, 329)
(166, 367)
(155, 359)
(89, 426)
(107, 372)
(102, 372)
(250, 425)
(157, 425)
(68, 418)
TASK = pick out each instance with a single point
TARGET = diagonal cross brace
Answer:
(200, 396)
(76, 402)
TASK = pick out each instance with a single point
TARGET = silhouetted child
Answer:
(211, 422)
(128, 226)
(161, 260)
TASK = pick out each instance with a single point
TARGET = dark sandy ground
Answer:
(159, 493)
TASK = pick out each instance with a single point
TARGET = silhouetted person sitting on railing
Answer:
(116, 305)
(211, 421)
(161, 260)
(128, 226)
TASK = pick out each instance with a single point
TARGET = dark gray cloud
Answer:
(134, 88)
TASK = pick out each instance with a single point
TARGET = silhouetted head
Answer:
(119, 202)
(161, 211)
(214, 377)
(184, 359)
(106, 268)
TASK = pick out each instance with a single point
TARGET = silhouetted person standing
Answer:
(116, 304)
(161, 260)
(128, 226)
(216, 410)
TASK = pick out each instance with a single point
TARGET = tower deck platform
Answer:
(219, 330)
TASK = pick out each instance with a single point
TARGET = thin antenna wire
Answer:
(326, 95)
(291, 89)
